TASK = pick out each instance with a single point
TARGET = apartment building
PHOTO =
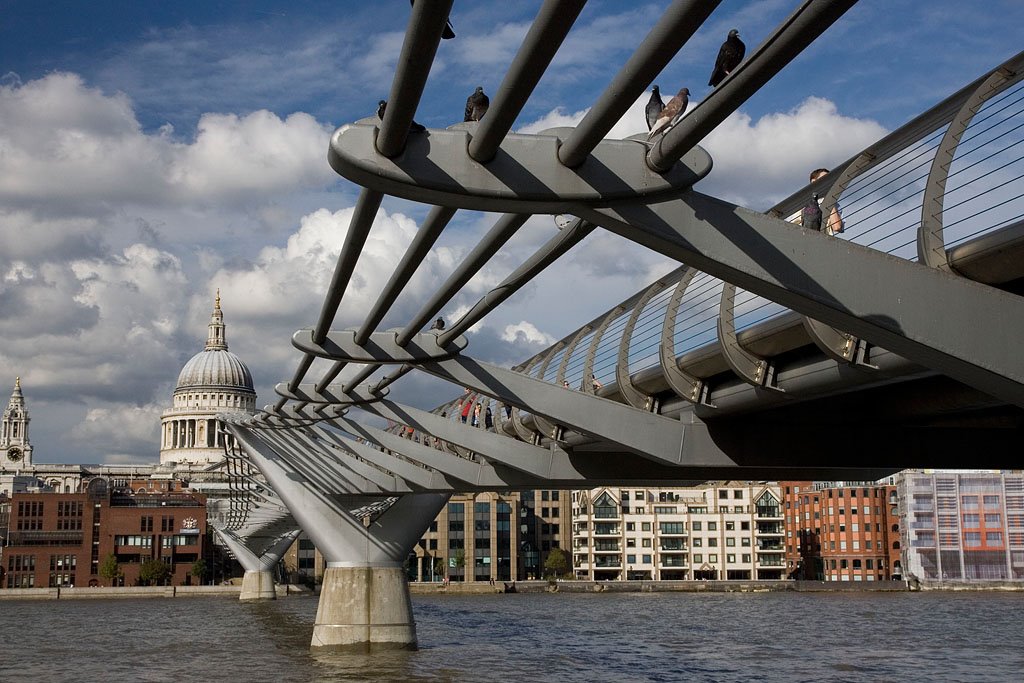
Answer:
(716, 531)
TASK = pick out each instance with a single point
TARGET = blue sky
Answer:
(151, 152)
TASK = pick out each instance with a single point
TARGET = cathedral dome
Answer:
(217, 368)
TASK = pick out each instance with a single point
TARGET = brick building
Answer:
(841, 531)
(61, 539)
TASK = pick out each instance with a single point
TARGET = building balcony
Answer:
(673, 545)
(770, 547)
(607, 531)
(45, 538)
(673, 561)
(770, 530)
(770, 562)
(768, 513)
(607, 547)
(607, 563)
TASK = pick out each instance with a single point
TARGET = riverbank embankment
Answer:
(108, 592)
(481, 588)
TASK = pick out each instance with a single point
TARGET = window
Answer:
(712, 526)
(744, 526)
(712, 542)
(698, 542)
(972, 519)
(994, 537)
(723, 494)
(746, 557)
(631, 559)
(738, 494)
(745, 542)
(696, 526)
(646, 559)
(630, 526)
(697, 557)
(646, 543)
(730, 542)
(645, 526)
(730, 526)
(712, 558)
(630, 542)
(671, 528)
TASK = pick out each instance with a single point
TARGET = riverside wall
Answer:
(572, 586)
(108, 592)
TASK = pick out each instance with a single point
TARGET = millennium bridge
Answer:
(773, 351)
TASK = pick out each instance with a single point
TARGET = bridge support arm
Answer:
(258, 582)
(966, 330)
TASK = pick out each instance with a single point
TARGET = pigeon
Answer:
(413, 127)
(671, 114)
(448, 32)
(654, 108)
(476, 105)
(729, 57)
(810, 216)
(438, 324)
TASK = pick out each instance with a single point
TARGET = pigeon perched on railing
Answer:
(476, 105)
(810, 216)
(413, 127)
(671, 114)
(729, 57)
(654, 108)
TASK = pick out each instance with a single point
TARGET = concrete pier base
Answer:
(364, 608)
(258, 585)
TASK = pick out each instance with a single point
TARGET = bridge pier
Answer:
(258, 581)
(365, 607)
(364, 599)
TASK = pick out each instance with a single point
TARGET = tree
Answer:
(199, 569)
(557, 563)
(154, 572)
(110, 569)
(458, 560)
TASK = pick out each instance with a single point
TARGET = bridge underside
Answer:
(773, 351)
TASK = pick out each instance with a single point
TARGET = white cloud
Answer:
(64, 143)
(526, 332)
(122, 432)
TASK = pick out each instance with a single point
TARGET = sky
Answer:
(152, 152)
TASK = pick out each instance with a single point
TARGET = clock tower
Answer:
(15, 449)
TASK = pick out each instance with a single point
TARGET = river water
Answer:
(560, 637)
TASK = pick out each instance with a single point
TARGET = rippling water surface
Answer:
(536, 637)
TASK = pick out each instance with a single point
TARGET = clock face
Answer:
(14, 454)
